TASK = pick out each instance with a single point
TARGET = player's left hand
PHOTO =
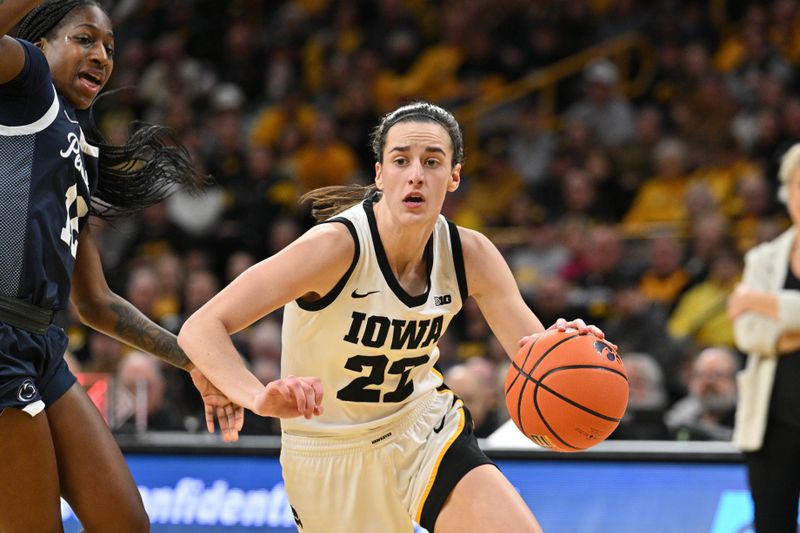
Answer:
(230, 415)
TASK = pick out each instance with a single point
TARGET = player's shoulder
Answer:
(333, 238)
(20, 59)
(473, 241)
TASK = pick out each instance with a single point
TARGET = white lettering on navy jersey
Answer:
(69, 233)
(75, 148)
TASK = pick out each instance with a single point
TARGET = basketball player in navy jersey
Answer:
(53, 440)
(371, 437)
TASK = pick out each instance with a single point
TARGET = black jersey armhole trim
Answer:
(383, 263)
(326, 300)
(458, 261)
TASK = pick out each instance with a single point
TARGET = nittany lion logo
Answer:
(604, 349)
(27, 391)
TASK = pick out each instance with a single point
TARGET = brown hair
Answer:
(329, 201)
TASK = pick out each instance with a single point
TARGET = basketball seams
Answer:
(525, 382)
(564, 398)
(535, 398)
(519, 370)
(578, 367)
(544, 420)
(528, 378)
(550, 349)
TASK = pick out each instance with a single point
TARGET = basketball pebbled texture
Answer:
(566, 391)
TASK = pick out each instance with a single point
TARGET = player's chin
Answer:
(82, 97)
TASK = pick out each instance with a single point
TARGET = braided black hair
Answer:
(43, 19)
(137, 174)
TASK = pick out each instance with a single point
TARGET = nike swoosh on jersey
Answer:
(356, 294)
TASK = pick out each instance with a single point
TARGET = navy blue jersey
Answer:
(47, 173)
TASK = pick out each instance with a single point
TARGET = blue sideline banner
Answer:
(218, 493)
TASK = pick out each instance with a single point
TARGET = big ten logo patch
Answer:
(442, 300)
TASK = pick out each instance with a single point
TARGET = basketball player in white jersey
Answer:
(375, 439)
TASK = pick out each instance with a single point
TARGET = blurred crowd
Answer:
(631, 210)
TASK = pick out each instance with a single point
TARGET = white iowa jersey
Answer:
(371, 343)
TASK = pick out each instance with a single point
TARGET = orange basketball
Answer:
(566, 391)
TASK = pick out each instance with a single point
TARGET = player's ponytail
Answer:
(332, 200)
(145, 170)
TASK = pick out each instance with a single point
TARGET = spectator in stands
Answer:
(201, 286)
(237, 263)
(637, 324)
(261, 344)
(290, 112)
(754, 205)
(580, 199)
(659, 201)
(603, 260)
(103, 353)
(155, 233)
(142, 290)
(700, 315)
(608, 114)
(173, 73)
(324, 160)
(721, 166)
(664, 277)
(479, 392)
(497, 182)
(265, 194)
(539, 256)
(531, 148)
(142, 376)
(552, 300)
(170, 271)
(647, 399)
(707, 412)
(634, 160)
(709, 233)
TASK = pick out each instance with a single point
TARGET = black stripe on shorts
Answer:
(463, 455)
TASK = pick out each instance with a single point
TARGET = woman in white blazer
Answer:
(765, 309)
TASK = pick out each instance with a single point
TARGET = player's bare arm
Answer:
(310, 267)
(491, 283)
(105, 311)
(13, 57)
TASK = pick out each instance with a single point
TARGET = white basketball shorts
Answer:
(382, 480)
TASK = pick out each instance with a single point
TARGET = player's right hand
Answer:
(229, 415)
(290, 397)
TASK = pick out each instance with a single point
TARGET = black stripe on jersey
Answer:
(326, 300)
(383, 262)
(458, 261)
